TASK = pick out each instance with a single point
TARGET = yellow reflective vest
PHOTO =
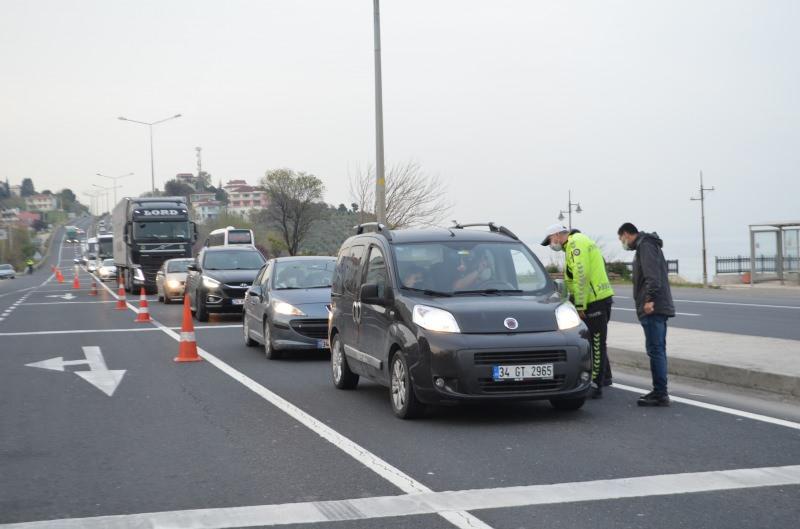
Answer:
(585, 271)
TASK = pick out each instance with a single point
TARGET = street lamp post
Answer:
(702, 200)
(380, 177)
(150, 127)
(105, 191)
(570, 205)
(115, 186)
(92, 202)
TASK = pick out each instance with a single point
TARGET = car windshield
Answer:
(233, 260)
(167, 230)
(461, 268)
(177, 266)
(308, 273)
(108, 262)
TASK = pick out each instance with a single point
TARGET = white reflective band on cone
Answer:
(143, 310)
(187, 336)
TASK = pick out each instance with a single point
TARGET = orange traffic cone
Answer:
(144, 312)
(93, 290)
(76, 283)
(121, 301)
(59, 275)
(187, 350)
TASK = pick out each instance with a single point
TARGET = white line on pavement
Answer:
(135, 329)
(441, 503)
(677, 313)
(715, 407)
(67, 302)
(792, 307)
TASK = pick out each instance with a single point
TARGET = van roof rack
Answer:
(379, 228)
(494, 228)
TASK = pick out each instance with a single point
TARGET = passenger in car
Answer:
(413, 277)
(473, 271)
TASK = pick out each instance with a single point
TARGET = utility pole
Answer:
(702, 200)
(380, 177)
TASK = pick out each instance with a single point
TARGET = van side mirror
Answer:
(371, 296)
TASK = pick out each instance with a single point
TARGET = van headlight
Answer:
(281, 307)
(209, 282)
(434, 319)
(567, 317)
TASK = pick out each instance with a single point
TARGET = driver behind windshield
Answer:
(472, 270)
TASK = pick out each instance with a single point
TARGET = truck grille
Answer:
(519, 357)
(489, 385)
(317, 329)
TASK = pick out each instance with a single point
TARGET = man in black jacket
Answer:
(654, 305)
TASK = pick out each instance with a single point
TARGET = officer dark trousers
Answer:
(597, 316)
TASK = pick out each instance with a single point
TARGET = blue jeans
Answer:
(655, 339)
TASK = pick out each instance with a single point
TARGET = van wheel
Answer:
(269, 351)
(343, 378)
(567, 404)
(401, 392)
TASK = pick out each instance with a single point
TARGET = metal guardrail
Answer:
(672, 266)
(763, 264)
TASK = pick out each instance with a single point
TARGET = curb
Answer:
(731, 375)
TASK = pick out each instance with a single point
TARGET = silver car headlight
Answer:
(567, 317)
(281, 307)
(209, 282)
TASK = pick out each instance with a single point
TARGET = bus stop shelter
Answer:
(787, 246)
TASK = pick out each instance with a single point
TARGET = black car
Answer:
(219, 277)
(287, 306)
(454, 315)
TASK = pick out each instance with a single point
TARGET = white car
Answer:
(7, 271)
(107, 270)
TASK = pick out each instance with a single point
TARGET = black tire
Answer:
(568, 404)
(401, 391)
(166, 300)
(202, 312)
(342, 377)
(248, 341)
(269, 351)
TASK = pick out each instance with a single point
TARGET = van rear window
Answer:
(239, 237)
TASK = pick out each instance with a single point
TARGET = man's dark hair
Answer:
(628, 228)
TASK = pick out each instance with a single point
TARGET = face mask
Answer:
(625, 245)
(556, 247)
(485, 274)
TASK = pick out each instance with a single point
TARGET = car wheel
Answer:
(166, 299)
(248, 341)
(202, 311)
(269, 351)
(567, 404)
(401, 392)
(343, 378)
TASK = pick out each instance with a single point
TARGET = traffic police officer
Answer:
(587, 282)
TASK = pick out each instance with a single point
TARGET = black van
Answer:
(452, 315)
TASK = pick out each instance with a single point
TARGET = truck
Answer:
(147, 232)
(105, 246)
(71, 233)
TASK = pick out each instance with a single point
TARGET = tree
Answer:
(342, 208)
(176, 188)
(354, 207)
(294, 204)
(27, 188)
(68, 200)
(413, 198)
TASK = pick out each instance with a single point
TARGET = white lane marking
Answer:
(98, 375)
(66, 302)
(438, 502)
(792, 307)
(717, 408)
(135, 329)
(395, 476)
(677, 313)
(17, 291)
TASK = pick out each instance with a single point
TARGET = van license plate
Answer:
(535, 371)
(237, 301)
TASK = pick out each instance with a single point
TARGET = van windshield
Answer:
(455, 268)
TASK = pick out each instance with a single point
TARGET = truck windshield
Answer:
(106, 247)
(167, 230)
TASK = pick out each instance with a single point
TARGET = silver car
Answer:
(107, 271)
(171, 279)
(287, 306)
(7, 271)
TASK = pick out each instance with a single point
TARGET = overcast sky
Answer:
(511, 103)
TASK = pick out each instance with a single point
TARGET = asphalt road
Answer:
(770, 312)
(237, 430)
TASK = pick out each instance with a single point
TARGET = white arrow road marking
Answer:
(104, 379)
(66, 296)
